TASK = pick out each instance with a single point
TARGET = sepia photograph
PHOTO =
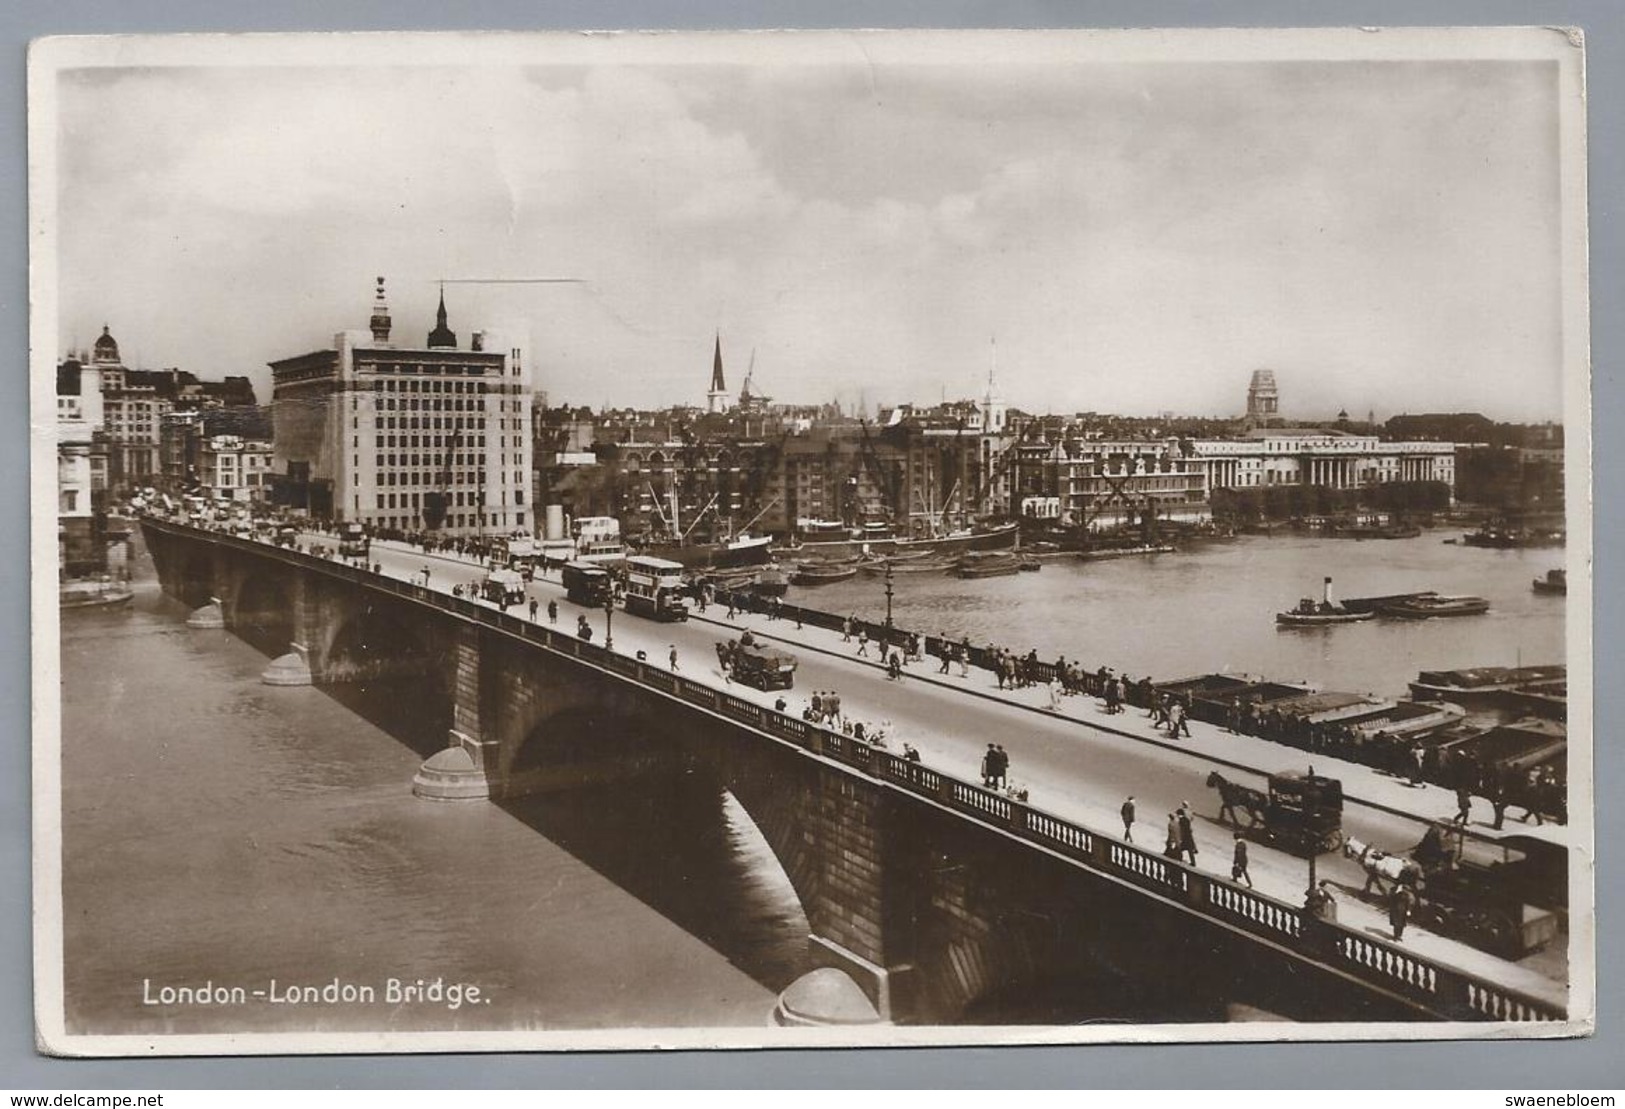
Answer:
(731, 540)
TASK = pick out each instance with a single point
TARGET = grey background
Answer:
(1598, 1062)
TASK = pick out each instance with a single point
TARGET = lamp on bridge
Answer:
(888, 594)
(609, 620)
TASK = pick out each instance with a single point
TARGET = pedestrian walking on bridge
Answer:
(1128, 819)
(1187, 833)
(1238, 863)
(863, 642)
(1178, 721)
(1401, 904)
(673, 658)
(846, 630)
(552, 612)
(535, 607)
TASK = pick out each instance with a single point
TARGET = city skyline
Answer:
(1380, 234)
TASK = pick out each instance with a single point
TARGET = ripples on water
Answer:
(218, 829)
(215, 828)
(1213, 609)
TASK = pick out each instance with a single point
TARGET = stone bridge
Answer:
(930, 894)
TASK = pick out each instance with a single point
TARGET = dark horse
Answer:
(1234, 795)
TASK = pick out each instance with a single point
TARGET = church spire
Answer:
(717, 397)
(442, 336)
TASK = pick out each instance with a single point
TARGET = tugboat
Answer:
(1555, 581)
(1309, 614)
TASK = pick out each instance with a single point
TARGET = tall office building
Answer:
(431, 438)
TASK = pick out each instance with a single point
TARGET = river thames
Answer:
(1212, 609)
(220, 831)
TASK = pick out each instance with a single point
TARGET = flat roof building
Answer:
(408, 439)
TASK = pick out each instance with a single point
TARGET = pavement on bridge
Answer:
(1078, 763)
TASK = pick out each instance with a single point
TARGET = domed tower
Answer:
(1263, 401)
(380, 321)
(105, 352)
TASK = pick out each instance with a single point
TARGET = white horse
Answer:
(1381, 866)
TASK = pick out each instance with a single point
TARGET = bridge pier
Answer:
(209, 616)
(454, 774)
(927, 898)
(291, 669)
(462, 771)
(825, 998)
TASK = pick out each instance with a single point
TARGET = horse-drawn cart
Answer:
(1472, 894)
(1305, 812)
(1301, 812)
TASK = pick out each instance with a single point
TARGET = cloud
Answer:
(1138, 237)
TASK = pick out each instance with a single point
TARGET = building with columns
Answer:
(1290, 456)
(406, 438)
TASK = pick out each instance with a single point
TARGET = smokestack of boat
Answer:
(1326, 596)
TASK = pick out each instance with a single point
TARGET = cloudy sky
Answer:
(1138, 237)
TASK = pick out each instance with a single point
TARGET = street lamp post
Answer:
(609, 620)
(888, 594)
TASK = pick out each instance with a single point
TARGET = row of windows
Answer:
(415, 500)
(403, 423)
(382, 441)
(389, 385)
(385, 461)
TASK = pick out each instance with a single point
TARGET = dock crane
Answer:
(877, 470)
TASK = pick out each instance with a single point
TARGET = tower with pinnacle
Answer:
(717, 397)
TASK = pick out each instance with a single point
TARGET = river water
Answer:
(217, 830)
(1213, 609)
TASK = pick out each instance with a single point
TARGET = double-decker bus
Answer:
(654, 588)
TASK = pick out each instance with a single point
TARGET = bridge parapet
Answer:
(1402, 975)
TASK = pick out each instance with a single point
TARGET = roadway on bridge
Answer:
(1073, 770)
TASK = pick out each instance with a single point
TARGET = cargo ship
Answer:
(821, 539)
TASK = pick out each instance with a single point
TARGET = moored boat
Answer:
(1484, 685)
(1376, 531)
(1555, 581)
(988, 564)
(771, 581)
(93, 594)
(1125, 552)
(812, 573)
(858, 541)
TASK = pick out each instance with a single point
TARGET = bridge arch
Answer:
(632, 793)
(262, 611)
(195, 584)
(374, 640)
